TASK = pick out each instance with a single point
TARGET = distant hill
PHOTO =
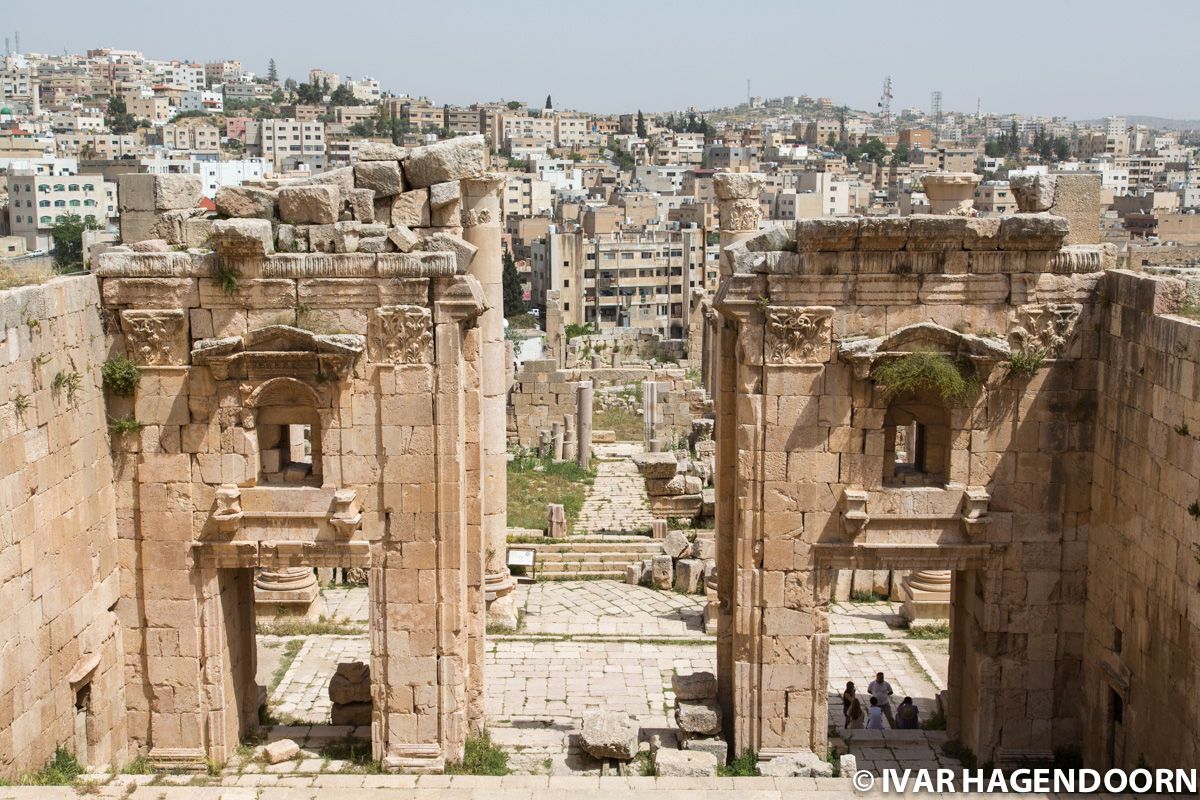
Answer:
(1162, 123)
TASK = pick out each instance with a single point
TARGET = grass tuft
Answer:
(925, 371)
(1024, 364)
(939, 631)
(533, 482)
(480, 757)
(61, 770)
(744, 766)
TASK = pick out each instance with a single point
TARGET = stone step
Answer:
(616, 547)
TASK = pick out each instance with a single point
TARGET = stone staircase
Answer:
(593, 556)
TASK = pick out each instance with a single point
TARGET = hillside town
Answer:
(351, 440)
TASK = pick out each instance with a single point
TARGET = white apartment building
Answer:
(526, 196)
(202, 100)
(319, 77)
(179, 74)
(38, 202)
(366, 90)
(286, 143)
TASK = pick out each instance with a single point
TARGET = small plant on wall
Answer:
(121, 376)
(227, 278)
(1024, 364)
(925, 371)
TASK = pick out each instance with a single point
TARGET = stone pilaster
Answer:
(482, 227)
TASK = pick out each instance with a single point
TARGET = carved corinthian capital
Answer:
(402, 335)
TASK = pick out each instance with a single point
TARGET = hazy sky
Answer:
(1072, 57)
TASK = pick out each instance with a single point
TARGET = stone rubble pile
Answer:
(699, 719)
(683, 566)
(609, 734)
(678, 483)
(391, 200)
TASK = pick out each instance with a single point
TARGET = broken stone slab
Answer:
(698, 716)
(411, 209)
(1033, 193)
(656, 465)
(633, 574)
(374, 244)
(451, 160)
(381, 177)
(243, 237)
(847, 764)
(351, 683)
(689, 575)
(245, 202)
(362, 205)
(704, 548)
(684, 763)
(683, 484)
(402, 237)
(694, 686)
(279, 751)
(463, 250)
(310, 205)
(609, 734)
(675, 544)
(1033, 232)
(340, 237)
(380, 151)
(773, 237)
(662, 572)
(151, 246)
(826, 235)
(355, 714)
(148, 192)
(803, 764)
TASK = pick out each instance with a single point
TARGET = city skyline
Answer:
(937, 47)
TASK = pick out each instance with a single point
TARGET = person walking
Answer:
(874, 716)
(881, 692)
(908, 715)
(847, 699)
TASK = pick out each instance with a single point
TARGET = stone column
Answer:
(649, 409)
(482, 227)
(583, 450)
(926, 596)
(951, 192)
(556, 435)
(569, 442)
(738, 203)
(288, 590)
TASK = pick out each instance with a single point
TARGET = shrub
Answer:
(1025, 364)
(480, 757)
(61, 770)
(21, 403)
(926, 371)
(936, 721)
(120, 375)
(124, 425)
(71, 382)
(744, 766)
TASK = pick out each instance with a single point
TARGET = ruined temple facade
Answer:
(1060, 491)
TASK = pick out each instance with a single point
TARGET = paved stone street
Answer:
(616, 501)
(593, 644)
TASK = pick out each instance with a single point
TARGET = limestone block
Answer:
(351, 683)
(443, 194)
(707, 744)
(461, 157)
(689, 575)
(362, 205)
(826, 235)
(374, 244)
(340, 237)
(804, 764)
(151, 246)
(447, 216)
(773, 237)
(310, 205)
(381, 151)
(146, 192)
(633, 574)
(935, 233)
(982, 233)
(661, 572)
(463, 250)
(684, 763)
(694, 686)
(243, 237)
(676, 544)
(286, 239)
(684, 484)
(402, 237)
(609, 734)
(382, 177)
(556, 520)
(1032, 232)
(355, 714)
(698, 716)
(704, 548)
(1033, 193)
(847, 764)
(342, 178)
(656, 465)
(883, 233)
(411, 209)
(245, 201)
(279, 751)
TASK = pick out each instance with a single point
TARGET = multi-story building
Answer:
(288, 143)
(212, 102)
(38, 202)
(638, 280)
(188, 138)
(217, 73)
(100, 145)
(526, 196)
(995, 198)
(461, 121)
(179, 74)
(327, 80)
(155, 109)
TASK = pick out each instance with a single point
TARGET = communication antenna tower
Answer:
(885, 103)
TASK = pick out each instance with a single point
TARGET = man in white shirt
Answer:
(881, 690)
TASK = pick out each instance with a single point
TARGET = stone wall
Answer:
(623, 347)
(60, 645)
(1142, 634)
(811, 314)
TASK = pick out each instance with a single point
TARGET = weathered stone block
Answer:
(804, 764)
(698, 716)
(463, 250)
(694, 686)
(411, 209)
(309, 205)
(402, 237)
(279, 751)
(381, 151)
(1032, 232)
(243, 237)
(382, 177)
(147, 192)
(676, 544)
(461, 157)
(245, 201)
(609, 734)
(824, 235)
(689, 575)
(661, 572)
(362, 205)
(351, 683)
(684, 763)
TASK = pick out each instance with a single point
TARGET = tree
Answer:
(514, 295)
(549, 105)
(309, 94)
(277, 97)
(641, 125)
(831, 141)
(68, 241)
(875, 150)
(1062, 148)
(118, 119)
(513, 105)
(272, 71)
(901, 154)
(1014, 139)
(343, 96)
